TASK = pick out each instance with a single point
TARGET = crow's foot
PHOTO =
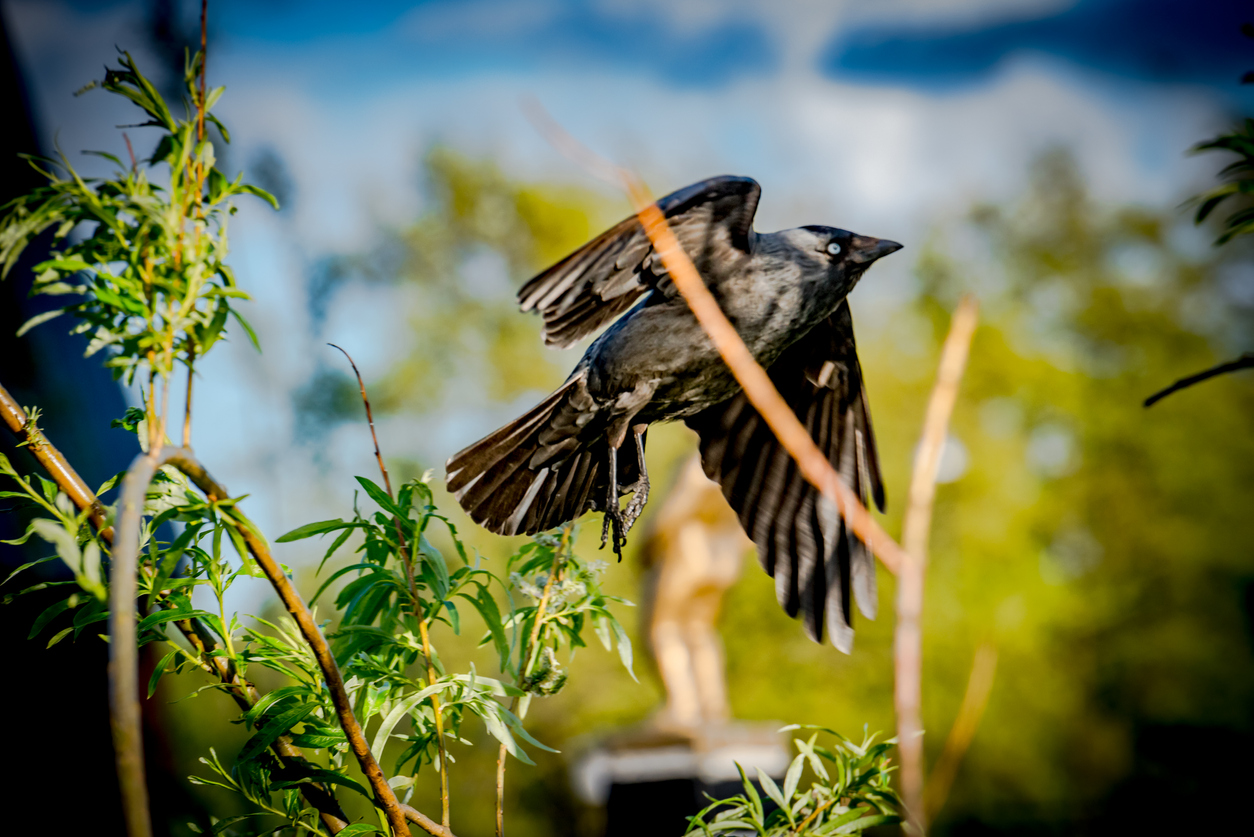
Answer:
(612, 527)
(639, 489)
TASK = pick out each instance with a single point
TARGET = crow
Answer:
(785, 293)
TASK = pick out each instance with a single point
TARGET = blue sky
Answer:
(890, 118)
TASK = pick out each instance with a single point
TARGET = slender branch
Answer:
(187, 404)
(385, 798)
(198, 636)
(365, 400)
(528, 659)
(970, 713)
(62, 473)
(415, 608)
(438, 714)
(1246, 361)
(204, 59)
(908, 637)
(124, 714)
(755, 381)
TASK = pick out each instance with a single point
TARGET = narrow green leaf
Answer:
(359, 828)
(793, 776)
(772, 790)
(160, 670)
(380, 497)
(58, 636)
(398, 712)
(868, 822)
(49, 613)
(163, 616)
(311, 529)
(39, 319)
(272, 729)
(318, 774)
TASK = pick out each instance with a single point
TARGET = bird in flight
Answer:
(785, 293)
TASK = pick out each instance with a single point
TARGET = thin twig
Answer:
(365, 400)
(756, 383)
(908, 636)
(187, 404)
(1246, 361)
(204, 59)
(527, 657)
(62, 473)
(406, 560)
(753, 379)
(198, 636)
(970, 713)
(130, 150)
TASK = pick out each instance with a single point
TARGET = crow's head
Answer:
(843, 254)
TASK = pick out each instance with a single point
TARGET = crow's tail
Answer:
(537, 472)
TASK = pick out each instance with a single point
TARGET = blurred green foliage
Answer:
(1103, 549)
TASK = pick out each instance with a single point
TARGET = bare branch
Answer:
(974, 700)
(415, 609)
(62, 473)
(1246, 361)
(908, 637)
(757, 385)
(187, 404)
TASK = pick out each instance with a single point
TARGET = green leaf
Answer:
(248, 329)
(359, 828)
(223, 825)
(868, 822)
(772, 790)
(335, 547)
(380, 497)
(271, 698)
(160, 670)
(311, 529)
(491, 614)
(49, 613)
(58, 636)
(39, 319)
(624, 644)
(793, 776)
(28, 564)
(398, 712)
(310, 773)
(490, 711)
(261, 193)
(270, 732)
(341, 571)
(163, 616)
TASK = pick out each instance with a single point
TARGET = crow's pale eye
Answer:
(833, 249)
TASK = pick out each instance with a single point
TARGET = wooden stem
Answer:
(908, 636)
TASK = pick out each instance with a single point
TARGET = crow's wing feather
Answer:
(605, 277)
(818, 569)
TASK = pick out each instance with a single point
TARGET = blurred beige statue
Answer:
(695, 551)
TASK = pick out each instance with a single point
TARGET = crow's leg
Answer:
(640, 488)
(612, 526)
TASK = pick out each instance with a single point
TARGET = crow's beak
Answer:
(866, 250)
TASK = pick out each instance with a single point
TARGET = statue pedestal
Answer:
(659, 775)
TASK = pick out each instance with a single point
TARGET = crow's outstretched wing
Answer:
(816, 567)
(713, 219)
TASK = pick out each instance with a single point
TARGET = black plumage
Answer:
(785, 293)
